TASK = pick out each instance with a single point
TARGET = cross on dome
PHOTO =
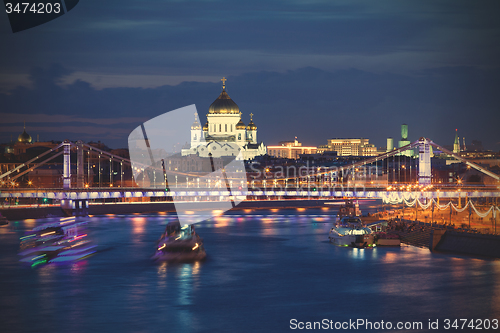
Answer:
(223, 82)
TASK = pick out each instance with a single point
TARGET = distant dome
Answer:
(240, 125)
(251, 126)
(24, 137)
(224, 104)
(205, 127)
(196, 125)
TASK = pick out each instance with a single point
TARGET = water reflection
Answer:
(186, 284)
(358, 253)
(46, 277)
(495, 276)
(30, 223)
(187, 279)
(79, 267)
(138, 225)
(390, 257)
(222, 221)
(290, 256)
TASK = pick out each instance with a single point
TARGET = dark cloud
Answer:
(49, 76)
(315, 69)
(197, 37)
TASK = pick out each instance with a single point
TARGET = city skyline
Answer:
(316, 71)
(118, 136)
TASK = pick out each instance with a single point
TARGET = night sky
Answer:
(311, 69)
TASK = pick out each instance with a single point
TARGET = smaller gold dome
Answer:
(205, 127)
(196, 125)
(251, 126)
(240, 125)
(24, 137)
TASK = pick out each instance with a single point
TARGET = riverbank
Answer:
(446, 238)
(461, 221)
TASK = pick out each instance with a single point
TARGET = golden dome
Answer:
(205, 127)
(224, 104)
(240, 125)
(251, 126)
(196, 125)
(24, 137)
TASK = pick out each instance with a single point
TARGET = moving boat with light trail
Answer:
(56, 242)
(179, 244)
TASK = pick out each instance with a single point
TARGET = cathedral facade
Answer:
(225, 133)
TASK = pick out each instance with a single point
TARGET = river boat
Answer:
(350, 231)
(56, 242)
(179, 244)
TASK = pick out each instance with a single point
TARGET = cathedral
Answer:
(225, 133)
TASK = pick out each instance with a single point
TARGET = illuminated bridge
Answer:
(372, 178)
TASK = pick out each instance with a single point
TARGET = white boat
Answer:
(179, 244)
(350, 231)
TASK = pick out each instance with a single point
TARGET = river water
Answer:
(264, 269)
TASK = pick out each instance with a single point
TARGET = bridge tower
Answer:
(79, 165)
(66, 203)
(424, 162)
(67, 165)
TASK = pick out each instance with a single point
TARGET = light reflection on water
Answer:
(138, 224)
(261, 271)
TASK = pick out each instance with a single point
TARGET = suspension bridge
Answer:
(101, 176)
